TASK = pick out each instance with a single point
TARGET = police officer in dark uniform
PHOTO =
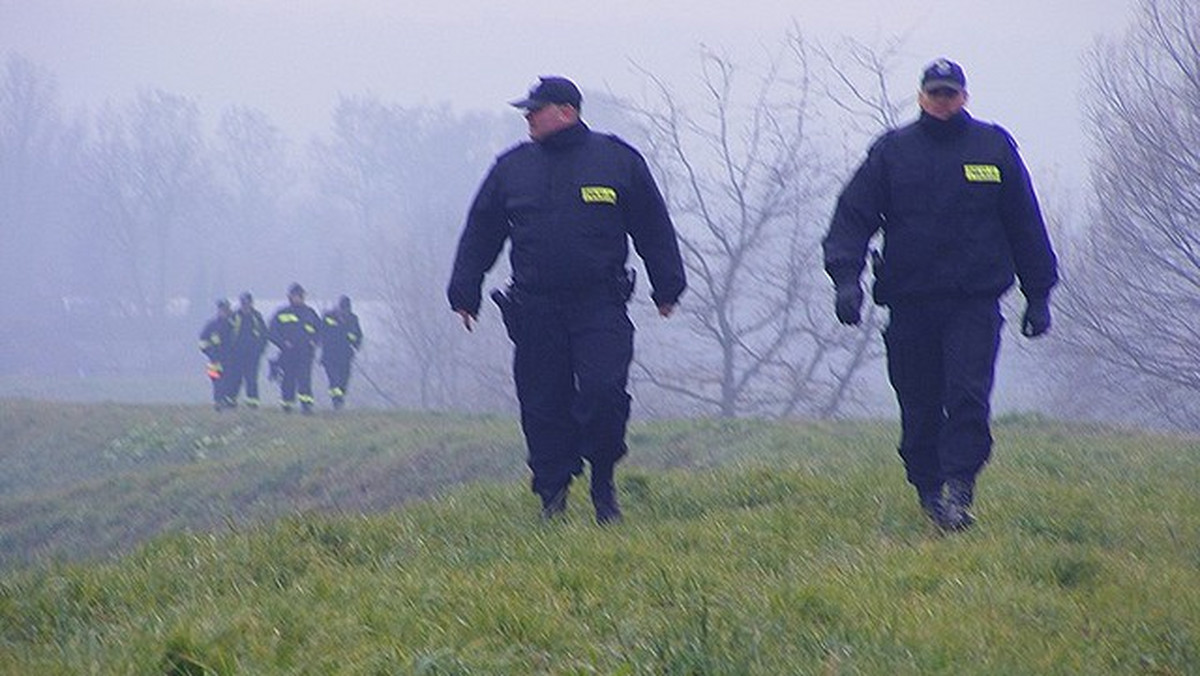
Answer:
(294, 330)
(249, 336)
(569, 201)
(215, 343)
(341, 338)
(959, 217)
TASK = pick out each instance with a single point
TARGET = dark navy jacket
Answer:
(249, 334)
(569, 204)
(294, 329)
(215, 340)
(957, 210)
(341, 335)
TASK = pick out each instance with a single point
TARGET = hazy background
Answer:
(339, 143)
(293, 58)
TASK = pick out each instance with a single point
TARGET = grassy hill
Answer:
(295, 546)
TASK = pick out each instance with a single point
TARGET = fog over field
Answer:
(156, 156)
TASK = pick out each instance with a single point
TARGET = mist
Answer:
(157, 157)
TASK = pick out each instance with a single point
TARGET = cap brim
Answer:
(942, 84)
(528, 104)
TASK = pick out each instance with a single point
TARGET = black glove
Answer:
(849, 304)
(1037, 317)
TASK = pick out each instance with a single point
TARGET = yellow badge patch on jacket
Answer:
(598, 194)
(982, 173)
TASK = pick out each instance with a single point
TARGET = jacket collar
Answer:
(942, 129)
(566, 138)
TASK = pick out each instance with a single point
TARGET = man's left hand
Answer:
(848, 305)
(468, 319)
(1037, 317)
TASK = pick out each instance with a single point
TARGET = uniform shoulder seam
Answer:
(888, 136)
(1004, 134)
(621, 142)
(514, 149)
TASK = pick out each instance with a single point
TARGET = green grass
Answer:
(749, 548)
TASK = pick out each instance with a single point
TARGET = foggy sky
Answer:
(292, 58)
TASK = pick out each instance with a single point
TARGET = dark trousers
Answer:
(297, 376)
(220, 384)
(337, 372)
(941, 356)
(571, 365)
(243, 370)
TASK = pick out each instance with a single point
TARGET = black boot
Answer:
(607, 509)
(555, 504)
(960, 494)
(933, 504)
(604, 495)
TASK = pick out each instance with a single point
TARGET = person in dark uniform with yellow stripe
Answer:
(249, 336)
(569, 201)
(959, 218)
(215, 343)
(295, 331)
(341, 338)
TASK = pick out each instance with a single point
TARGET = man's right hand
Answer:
(849, 304)
(468, 319)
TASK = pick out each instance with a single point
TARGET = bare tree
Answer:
(859, 85)
(149, 186)
(36, 151)
(1132, 289)
(749, 190)
(857, 82)
(403, 179)
(254, 172)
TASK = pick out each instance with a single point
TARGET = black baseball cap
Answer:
(295, 289)
(550, 90)
(943, 73)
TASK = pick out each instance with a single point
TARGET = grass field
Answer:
(157, 540)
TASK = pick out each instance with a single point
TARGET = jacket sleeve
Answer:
(480, 244)
(259, 326)
(312, 327)
(275, 332)
(1033, 255)
(210, 340)
(654, 238)
(858, 216)
(355, 335)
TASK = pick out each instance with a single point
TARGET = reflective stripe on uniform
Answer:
(598, 194)
(981, 173)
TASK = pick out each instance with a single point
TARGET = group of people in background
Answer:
(234, 342)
